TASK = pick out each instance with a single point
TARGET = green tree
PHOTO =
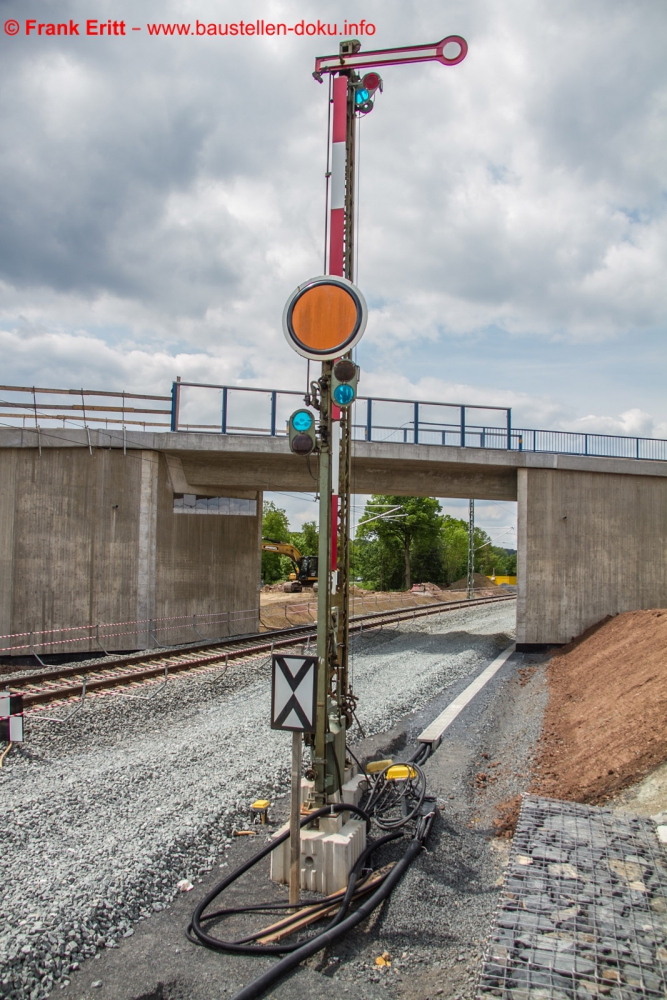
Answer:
(454, 548)
(411, 528)
(276, 527)
(307, 540)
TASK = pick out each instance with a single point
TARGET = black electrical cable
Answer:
(341, 922)
(388, 795)
(328, 937)
(243, 947)
(356, 761)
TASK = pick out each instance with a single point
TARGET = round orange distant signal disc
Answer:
(324, 317)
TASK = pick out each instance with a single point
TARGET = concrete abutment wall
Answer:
(93, 538)
(590, 544)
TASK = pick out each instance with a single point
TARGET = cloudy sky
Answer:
(160, 197)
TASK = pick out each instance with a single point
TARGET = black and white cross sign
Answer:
(294, 693)
(11, 717)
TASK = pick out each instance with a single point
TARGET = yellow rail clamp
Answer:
(401, 772)
(376, 766)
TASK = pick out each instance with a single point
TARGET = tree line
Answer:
(399, 540)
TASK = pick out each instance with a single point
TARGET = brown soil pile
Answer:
(604, 727)
(481, 583)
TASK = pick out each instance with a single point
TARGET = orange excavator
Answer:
(305, 567)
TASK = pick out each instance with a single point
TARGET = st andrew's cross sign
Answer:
(294, 693)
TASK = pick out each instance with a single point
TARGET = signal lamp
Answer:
(372, 82)
(301, 430)
(344, 378)
(363, 95)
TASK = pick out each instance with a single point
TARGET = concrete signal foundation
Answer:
(329, 852)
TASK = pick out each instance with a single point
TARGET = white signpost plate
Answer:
(293, 693)
(11, 717)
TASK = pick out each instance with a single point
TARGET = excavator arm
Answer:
(282, 549)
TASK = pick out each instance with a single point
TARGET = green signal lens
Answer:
(302, 421)
(343, 394)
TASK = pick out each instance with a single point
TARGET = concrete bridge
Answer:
(89, 532)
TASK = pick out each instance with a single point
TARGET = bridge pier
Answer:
(589, 544)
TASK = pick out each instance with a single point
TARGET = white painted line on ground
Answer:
(435, 729)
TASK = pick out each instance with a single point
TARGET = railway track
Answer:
(72, 680)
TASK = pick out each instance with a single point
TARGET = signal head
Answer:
(372, 82)
(344, 378)
(301, 431)
(364, 91)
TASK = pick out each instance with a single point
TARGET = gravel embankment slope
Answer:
(100, 819)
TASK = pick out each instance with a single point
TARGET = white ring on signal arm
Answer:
(325, 279)
(434, 731)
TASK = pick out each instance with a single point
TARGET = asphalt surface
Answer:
(433, 927)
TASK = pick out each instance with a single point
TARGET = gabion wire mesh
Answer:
(583, 908)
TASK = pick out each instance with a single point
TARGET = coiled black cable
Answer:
(244, 946)
(341, 922)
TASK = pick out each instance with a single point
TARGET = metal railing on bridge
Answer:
(221, 409)
(246, 410)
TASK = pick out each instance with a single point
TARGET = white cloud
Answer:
(161, 197)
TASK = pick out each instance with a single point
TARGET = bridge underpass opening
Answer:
(495, 521)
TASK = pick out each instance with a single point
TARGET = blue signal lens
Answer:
(343, 394)
(361, 95)
(302, 421)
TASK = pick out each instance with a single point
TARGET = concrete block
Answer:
(662, 834)
(326, 857)
(353, 790)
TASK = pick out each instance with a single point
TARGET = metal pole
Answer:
(273, 413)
(335, 436)
(294, 822)
(223, 423)
(471, 550)
(323, 780)
(175, 403)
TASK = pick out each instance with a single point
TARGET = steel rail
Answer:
(233, 648)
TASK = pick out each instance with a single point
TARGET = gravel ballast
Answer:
(103, 817)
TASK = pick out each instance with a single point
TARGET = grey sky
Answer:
(161, 197)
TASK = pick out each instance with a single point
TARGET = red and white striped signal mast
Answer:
(352, 96)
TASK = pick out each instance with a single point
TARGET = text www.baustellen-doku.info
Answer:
(94, 28)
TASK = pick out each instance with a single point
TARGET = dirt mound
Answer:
(604, 727)
(481, 583)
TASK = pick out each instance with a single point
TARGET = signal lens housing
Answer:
(301, 432)
(344, 378)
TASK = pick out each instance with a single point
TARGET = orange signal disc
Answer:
(324, 317)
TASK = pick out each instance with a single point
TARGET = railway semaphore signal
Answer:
(323, 320)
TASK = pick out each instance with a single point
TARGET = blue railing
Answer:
(244, 410)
